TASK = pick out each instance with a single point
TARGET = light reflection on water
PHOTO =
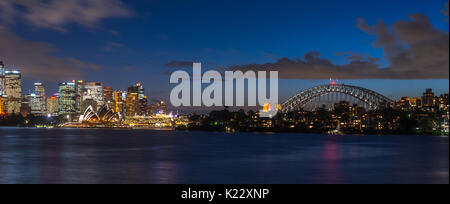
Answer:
(140, 156)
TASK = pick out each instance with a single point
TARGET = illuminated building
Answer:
(404, 104)
(67, 99)
(94, 91)
(136, 102)
(52, 106)
(79, 90)
(13, 85)
(161, 107)
(117, 102)
(35, 104)
(108, 95)
(2, 79)
(416, 102)
(132, 104)
(38, 103)
(3, 104)
(428, 98)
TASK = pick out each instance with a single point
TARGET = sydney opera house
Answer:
(103, 115)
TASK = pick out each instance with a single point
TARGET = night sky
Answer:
(397, 48)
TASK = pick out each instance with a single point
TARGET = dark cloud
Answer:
(179, 64)
(413, 48)
(36, 59)
(56, 14)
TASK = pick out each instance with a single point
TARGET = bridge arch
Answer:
(373, 99)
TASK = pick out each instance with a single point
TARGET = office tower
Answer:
(93, 91)
(35, 104)
(39, 104)
(117, 102)
(428, 98)
(66, 99)
(132, 101)
(2, 79)
(108, 95)
(142, 99)
(52, 105)
(79, 90)
(13, 85)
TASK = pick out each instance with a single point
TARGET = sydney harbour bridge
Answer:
(333, 93)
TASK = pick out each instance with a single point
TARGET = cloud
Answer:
(179, 64)
(56, 14)
(36, 59)
(414, 49)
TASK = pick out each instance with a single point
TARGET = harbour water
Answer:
(146, 156)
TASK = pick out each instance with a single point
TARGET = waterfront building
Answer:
(13, 89)
(94, 91)
(67, 99)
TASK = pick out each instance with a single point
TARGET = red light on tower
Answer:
(333, 83)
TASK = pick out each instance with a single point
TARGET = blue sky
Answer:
(225, 33)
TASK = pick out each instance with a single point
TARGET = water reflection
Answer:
(124, 156)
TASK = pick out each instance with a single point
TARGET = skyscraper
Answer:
(94, 91)
(132, 101)
(117, 102)
(79, 90)
(108, 95)
(39, 104)
(136, 100)
(2, 79)
(13, 89)
(52, 105)
(67, 99)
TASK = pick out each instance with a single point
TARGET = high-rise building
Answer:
(66, 99)
(52, 106)
(132, 101)
(117, 102)
(108, 95)
(35, 104)
(2, 79)
(428, 99)
(13, 89)
(38, 103)
(79, 91)
(94, 91)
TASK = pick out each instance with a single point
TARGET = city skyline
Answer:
(116, 51)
